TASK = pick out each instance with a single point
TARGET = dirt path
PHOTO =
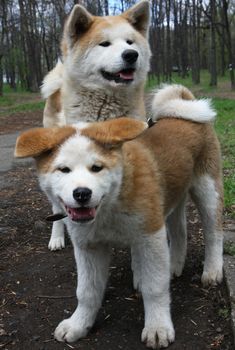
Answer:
(38, 287)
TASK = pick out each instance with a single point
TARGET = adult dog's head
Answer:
(109, 52)
(80, 166)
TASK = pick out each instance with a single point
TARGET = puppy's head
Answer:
(80, 166)
(110, 51)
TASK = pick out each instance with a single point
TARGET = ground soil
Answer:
(38, 286)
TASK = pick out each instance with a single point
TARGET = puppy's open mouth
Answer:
(123, 76)
(82, 214)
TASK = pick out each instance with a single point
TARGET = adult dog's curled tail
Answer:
(178, 102)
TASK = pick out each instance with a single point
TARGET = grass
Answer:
(224, 313)
(229, 248)
(204, 85)
(225, 128)
(20, 101)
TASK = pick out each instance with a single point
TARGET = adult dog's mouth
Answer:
(81, 214)
(125, 76)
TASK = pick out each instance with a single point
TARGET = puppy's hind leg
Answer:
(57, 240)
(207, 193)
(177, 231)
(135, 266)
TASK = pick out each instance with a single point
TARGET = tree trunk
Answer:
(195, 45)
(229, 45)
(213, 69)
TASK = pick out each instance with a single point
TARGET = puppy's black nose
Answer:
(82, 195)
(130, 56)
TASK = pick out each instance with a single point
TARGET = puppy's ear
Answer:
(139, 16)
(35, 142)
(114, 132)
(78, 22)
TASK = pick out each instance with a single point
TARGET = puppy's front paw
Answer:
(69, 331)
(158, 337)
(56, 243)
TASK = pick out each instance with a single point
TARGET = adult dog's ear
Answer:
(78, 22)
(139, 16)
(35, 142)
(115, 131)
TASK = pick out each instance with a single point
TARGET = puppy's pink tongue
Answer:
(77, 214)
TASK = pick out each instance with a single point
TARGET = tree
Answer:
(213, 68)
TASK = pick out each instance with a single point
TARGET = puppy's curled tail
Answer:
(178, 102)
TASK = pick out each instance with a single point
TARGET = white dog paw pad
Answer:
(56, 243)
(157, 338)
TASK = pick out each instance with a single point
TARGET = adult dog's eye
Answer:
(105, 43)
(96, 168)
(129, 42)
(64, 170)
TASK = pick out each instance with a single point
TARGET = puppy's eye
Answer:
(64, 170)
(105, 43)
(96, 168)
(129, 42)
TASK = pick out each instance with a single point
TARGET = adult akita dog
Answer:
(118, 181)
(104, 65)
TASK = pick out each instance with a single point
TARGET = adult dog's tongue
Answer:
(81, 214)
(127, 74)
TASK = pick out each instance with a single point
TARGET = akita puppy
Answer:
(118, 181)
(104, 65)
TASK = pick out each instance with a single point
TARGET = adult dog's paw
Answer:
(69, 331)
(158, 337)
(213, 277)
(56, 243)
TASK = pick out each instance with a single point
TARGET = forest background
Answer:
(186, 37)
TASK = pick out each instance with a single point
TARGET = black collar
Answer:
(150, 122)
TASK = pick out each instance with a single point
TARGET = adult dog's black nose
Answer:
(82, 195)
(130, 56)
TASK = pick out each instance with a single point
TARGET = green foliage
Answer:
(225, 127)
(20, 101)
(224, 313)
(229, 248)
(203, 87)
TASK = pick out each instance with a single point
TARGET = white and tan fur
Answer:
(84, 93)
(137, 185)
(76, 89)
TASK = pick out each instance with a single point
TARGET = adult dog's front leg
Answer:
(92, 267)
(57, 241)
(154, 284)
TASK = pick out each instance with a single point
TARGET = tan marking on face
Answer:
(95, 34)
(45, 160)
